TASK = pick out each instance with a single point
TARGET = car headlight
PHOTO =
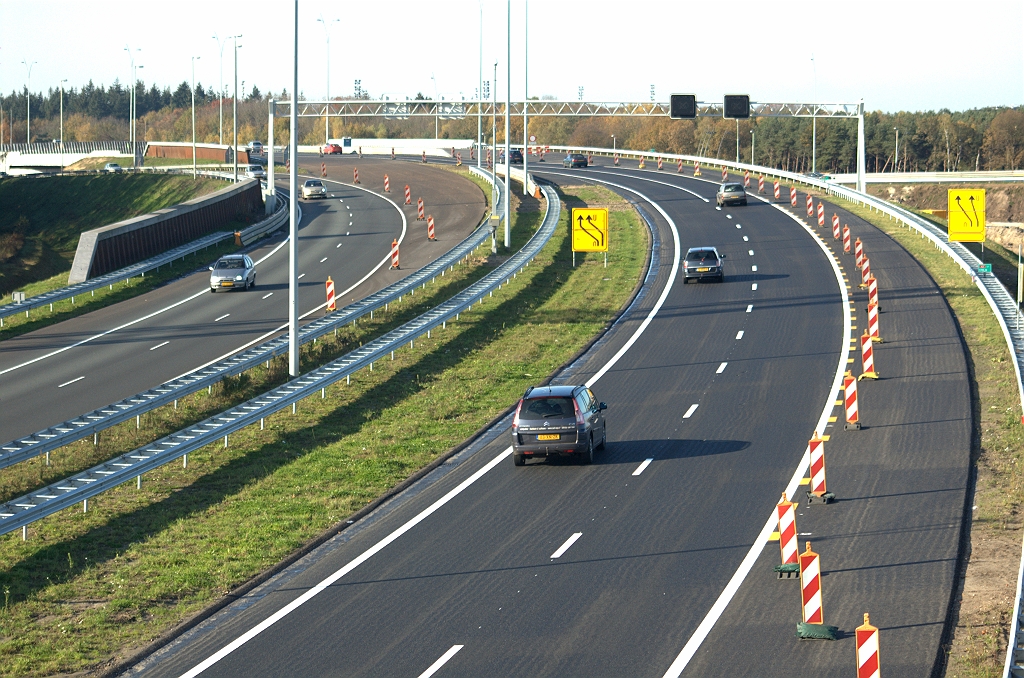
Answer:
(238, 277)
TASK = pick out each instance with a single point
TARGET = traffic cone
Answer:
(850, 402)
(394, 254)
(813, 625)
(819, 490)
(786, 514)
(867, 650)
(867, 357)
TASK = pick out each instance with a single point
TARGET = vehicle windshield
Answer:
(700, 255)
(230, 264)
(314, 183)
(547, 408)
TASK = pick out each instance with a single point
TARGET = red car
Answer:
(332, 148)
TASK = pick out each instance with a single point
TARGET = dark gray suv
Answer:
(703, 262)
(558, 421)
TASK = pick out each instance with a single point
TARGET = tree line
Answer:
(978, 139)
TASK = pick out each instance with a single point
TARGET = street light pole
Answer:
(494, 152)
(131, 96)
(508, 106)
(327, 108)
(293, 212)
(526, 93)
(752, 139)
(480, 95)
(896, 154)
(220, 92)
(234, 105)
(814, 118)
(194, 117)
(28, 102)
(62, 125)
(737, 140)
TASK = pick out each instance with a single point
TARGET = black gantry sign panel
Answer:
(682, 106)
(736, 106)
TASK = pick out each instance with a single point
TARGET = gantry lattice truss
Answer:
(454, 110)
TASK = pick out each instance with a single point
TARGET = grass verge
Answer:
(979, 640)
(89, 587)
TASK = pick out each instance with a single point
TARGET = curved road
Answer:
(620, 568)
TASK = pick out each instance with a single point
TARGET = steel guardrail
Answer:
(27, 447)
(141, 268)
(82, 486)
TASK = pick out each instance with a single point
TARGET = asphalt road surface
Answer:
(62, 371)
(485, 569)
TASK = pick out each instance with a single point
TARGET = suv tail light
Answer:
(515, 419)
(579, 414)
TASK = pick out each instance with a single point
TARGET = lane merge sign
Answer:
(589, 229)
(966, 214)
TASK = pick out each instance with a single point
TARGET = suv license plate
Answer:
(548, 436)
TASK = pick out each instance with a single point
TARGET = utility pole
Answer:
(234, 106)
(61, 125)
(480, 95)
(508, 105)
(526, 93)
(220, 92)
(293, 212)
(814, 117)
(28, 102)
(194, 117)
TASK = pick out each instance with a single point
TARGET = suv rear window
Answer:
(547, 408)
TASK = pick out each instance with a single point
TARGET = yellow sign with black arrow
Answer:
(589, 229)
(966, 214)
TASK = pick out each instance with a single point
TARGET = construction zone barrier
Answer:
(792, 196)
(785, 511)
(590, 161)
(835, 225)
(355, 175)
(821, 215)
(850, 402)
(679, 166)
(867, 357)
(331, 304)
(858, 251)
(810, 206)
(430, 228)
(420, 214)
(873, 323)
(867, 650)
(696, 169)
(616, 162)
(865, 272)
(394, 254)
(458, 159)
(746, 178)
(323, 170)
(760, 185)
(846, 239)
(813, 625)
(387, 184)
(873, 292)
(819, 488)
(725, 174)
(778, 189)
(408, 195)
(641, 166)
(423, 157)
(659, 164)
(392, 152)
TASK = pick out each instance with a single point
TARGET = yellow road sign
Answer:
(966, 214)
(589, 229)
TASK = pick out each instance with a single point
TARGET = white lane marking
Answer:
(738, 226)
(442, 660)
(753, 268)
(739, 335)
(323, 260)
(337, 246)
(716, 611)
(420, 517)
(643, 465)
(217, 320)
(718, 208)
(721, 368)
(750, 252)
(745, 239)
(301, 276)
(349, 223)
(650, 181)
(565, 547)
(753, 286)
(728, 216)
(268, 294)
(68, 383)
(347, 232)
(750, 308)
(159, 345)
(689, 412)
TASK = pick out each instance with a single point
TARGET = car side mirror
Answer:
(211, 268)
(723, 256)
(603, 406)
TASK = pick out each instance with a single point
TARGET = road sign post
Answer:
(589, 231)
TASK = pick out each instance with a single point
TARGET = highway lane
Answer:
(656, 548)
(345, 237)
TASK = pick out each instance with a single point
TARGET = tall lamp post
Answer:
(526, 92)
(220, 92)
(131, 95)
(480, 94)
(435, 104)
(62, 125)
(508, 114)
(494, 151)
(613, 144)
(234, 107)
(194, 117)
(327, 108)
(752, 139)
(28, 101)
(814, 117)
(896, 154)
(293, 210)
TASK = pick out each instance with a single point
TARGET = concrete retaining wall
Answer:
(117, 245)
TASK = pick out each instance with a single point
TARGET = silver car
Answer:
(313, 188)
(232, 271)
(255, 172)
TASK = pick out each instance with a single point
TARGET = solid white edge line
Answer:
(643, 465)
(565, 547)
(159, 345)
(716, 611)
(68, 383)
(442, 660)
(423, 515)
(689, 412)
(721, 368)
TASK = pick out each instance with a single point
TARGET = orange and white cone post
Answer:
(778, 189)
(873, 292)
(746, 179)
(792, 196)
(331, 304)
(821, 215)
(819, 489)
(873, 323)
(786, 513)
(659, 164)
(725, 174)
(850, 401)
(420, 214)
(846, 239)
(867, 650)
(394, 253)
(423, 157)
(392, 152)
(760, 185)
(810, 206)
(323, 170)
(641, 166)
(408, 195)
(858, 251)
(865, 272)
(355, 175)
(458, 160)
(430, 228)
(387, 184)
(679, 166)
(616, 161)
(696, 169)
(835, 226)
(810, 586)
(867, 357)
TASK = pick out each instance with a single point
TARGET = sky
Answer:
(896, 55)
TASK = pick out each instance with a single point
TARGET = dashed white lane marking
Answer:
(565, 547)
(269, 294)
(738, 226)
(442, 660)
(750, 252)
(739, 335)
(323, 260)
(159, 345)
(718, 208)
(753, 268)
(643, 465)
(68, 383)
(689, 412)
(217, 320)
(750, 308)
(301, 276)
(728, 216)
(337, 246)
(721, 368)
(753, 286)
(349, 223)
(746, 239)
(347, 232)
